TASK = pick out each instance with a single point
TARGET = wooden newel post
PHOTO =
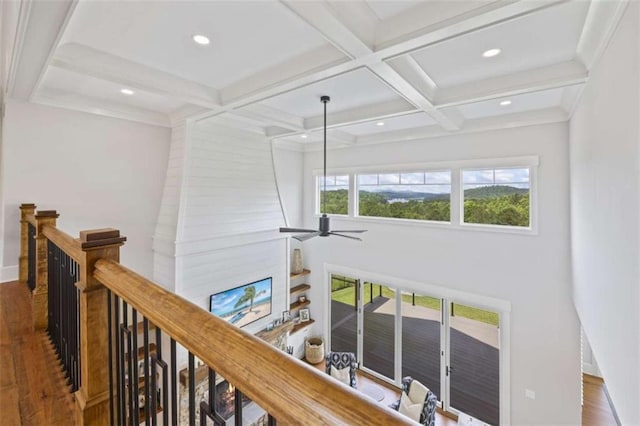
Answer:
(23, 265)
(40, 295)
(92, 399)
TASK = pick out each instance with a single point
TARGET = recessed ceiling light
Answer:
(127, 92)
(200, 39)
(491, 53)
(303, 136)
(380, 123)
(505, 103)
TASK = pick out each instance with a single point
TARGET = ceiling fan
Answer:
(324, 229)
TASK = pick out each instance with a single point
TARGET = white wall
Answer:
(96, 172)
(222, 206)
(605, 211)
(290, 174)
(532, 272)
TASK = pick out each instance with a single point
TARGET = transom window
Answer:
(337, 197)
(497, 196)
(406, 195)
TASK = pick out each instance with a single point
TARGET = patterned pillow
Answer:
(342, 374)
(409, 409)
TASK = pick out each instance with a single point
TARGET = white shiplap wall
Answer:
(218, 224)
(164, 238)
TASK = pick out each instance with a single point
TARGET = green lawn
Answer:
(347, 295)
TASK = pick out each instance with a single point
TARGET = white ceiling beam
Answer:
(307, 68)
(602, 21)
(102, 107)
(322, 17)
(272, 116)
(411, 71)
(98, 64)
(376, 111)
(527, 118)
(559, 75)
(327, 62)
(413, 95)
(40, 27)
(341, 137)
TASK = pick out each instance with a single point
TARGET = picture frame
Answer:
(304, 315)
(286, 316)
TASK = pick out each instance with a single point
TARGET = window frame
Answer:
(456, 219)
(318, 193)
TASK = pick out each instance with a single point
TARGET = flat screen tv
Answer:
(244, 304)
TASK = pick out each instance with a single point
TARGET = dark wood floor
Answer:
(31, 383)
(475, 377)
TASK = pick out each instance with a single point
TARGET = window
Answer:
(337, 196)
(497, 196)
(412, 195)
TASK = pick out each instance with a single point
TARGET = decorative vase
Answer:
(296, 264)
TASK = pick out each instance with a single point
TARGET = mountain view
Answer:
(494, 204)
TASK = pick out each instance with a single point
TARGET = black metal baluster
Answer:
(129, 360)
(136, 372)
(109, 330)
(271, 421)
(31, 257)
(147, 396)
(192, 391)
(174, 385)
(238, 407)
(165, 379)
(155, 362)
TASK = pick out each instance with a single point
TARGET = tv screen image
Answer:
(243, 305)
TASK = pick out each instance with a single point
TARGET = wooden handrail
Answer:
(68, 244)
(291, 391)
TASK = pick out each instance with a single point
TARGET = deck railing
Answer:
(133, 337)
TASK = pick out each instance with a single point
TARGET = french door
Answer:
(452, 348)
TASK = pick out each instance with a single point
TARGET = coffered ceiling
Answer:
(395, 70)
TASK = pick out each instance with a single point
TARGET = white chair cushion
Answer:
(409, 409)
(342, 374)
(417, 392)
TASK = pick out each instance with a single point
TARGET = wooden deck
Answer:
(475, 374)
(32, 385)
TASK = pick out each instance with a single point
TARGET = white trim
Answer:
(447, 295)
(527, 160)
(9, 273)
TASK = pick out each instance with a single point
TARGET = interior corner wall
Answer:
(532, 272)
(605, 214)
(97, 172)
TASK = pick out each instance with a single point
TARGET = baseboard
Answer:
(8, 273)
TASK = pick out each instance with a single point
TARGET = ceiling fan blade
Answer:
(354, 230)
(305, 237)
(345, 236)
(297, 230)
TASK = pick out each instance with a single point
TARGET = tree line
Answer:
(497, 205)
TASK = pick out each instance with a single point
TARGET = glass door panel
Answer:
(474, 361)
(421, 327)
(344, 314)
(378, 341)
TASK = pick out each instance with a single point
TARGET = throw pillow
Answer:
(409, 409)
(342, 374)
(417, 392)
